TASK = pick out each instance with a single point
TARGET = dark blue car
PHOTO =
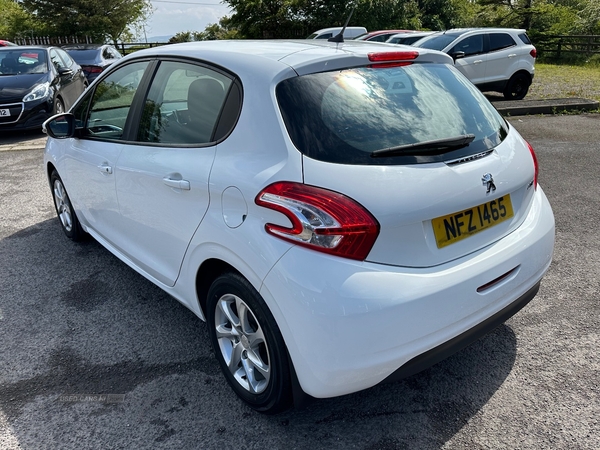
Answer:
(35, 83)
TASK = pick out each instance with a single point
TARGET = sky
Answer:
(172, 16)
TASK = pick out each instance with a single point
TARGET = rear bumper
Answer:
(351, 325)
(447, 349)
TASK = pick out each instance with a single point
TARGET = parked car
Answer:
(4, 43)
(494, 59)
(35, 83)
(93, 58)
(380, 35)
(340, 214)
(408, 38)
(326, 33)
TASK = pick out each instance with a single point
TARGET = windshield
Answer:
(84, 55)
(345, 116)
(27, 61)
(437, 41)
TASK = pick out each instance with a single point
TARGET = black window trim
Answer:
(233, 102)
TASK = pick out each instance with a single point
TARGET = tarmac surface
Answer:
(31, 140)
(94, 356)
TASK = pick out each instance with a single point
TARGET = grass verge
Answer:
(565, 81)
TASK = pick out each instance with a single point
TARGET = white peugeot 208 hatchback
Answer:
(341, 214)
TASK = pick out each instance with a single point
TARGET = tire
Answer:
(59, 106)
(517, 87)
(248, 344)
(64, 209)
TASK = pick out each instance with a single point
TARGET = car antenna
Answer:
(340, 36)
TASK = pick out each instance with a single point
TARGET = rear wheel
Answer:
(248, 344)
(517, 87)
(66, 214)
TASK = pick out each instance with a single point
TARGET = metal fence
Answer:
(123, 47)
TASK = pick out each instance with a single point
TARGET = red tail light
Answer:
(536, 167)
(92, 69)
(322, 220)
(533, 53)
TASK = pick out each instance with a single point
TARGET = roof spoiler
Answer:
(340, 36)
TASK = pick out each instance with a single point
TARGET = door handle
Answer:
(512, 55)
(479, 61)
(105, 168)
(177, 184)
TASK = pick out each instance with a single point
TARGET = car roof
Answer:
(375, 33)
(322, 30)
(84, 46)
(459, 31)
(414, 33)
(17, 48)
(302, 55)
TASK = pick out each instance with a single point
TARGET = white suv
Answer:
(494, 59)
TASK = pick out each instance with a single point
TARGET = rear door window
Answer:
(184, 104)
(500, 41)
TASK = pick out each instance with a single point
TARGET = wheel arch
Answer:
(523, 72)
(206, 274)
(49, 169)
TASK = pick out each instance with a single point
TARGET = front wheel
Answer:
(517, 87)
(248, 344)
(64, 209)
(59, 106)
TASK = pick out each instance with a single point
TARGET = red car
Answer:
(4, 43)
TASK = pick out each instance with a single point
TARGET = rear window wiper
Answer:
(453, 143)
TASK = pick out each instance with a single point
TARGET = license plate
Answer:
(460, 225)
(4, 112)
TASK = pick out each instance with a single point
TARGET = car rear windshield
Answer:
(84, 55)
(345, 116)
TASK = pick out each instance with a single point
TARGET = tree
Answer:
(14, 20)
(106, 20)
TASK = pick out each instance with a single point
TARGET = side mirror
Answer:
(61, 126)
(457, 55)
(64, 71)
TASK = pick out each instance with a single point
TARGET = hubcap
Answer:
(242, 344)
(63, 207)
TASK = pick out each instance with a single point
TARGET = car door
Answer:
(469, 57)
(90, 159)
(162, 182)
(67, 78)
(502, 55)
(77, 80)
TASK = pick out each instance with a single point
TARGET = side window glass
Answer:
(56, 60)
(524, 38)
(472, 45)
(106, 54)
(183, 104)
(112, 100)
(499, 41)
(64, 56)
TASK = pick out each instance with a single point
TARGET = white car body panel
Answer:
(380, 317)
(405, 198)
